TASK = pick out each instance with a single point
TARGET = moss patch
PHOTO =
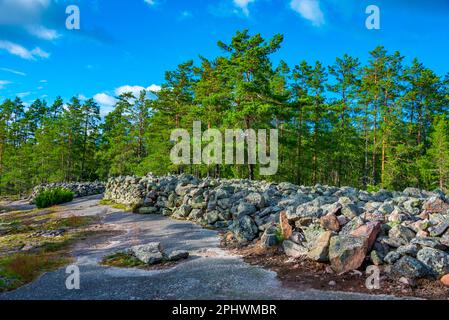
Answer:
(116, 205)
(122, 260)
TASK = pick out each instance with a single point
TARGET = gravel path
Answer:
(210, 272)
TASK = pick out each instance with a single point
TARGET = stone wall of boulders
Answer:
(408, 231)
(79, 189)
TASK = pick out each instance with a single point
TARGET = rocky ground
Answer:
(239, 239)
(405, 233)
(210, 272)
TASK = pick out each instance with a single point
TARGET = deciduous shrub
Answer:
(51, 197)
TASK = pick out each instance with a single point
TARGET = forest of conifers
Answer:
(382, 124)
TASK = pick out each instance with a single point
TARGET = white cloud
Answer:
(3, 83)
(106, 103)
(186, 14)
(38, 52)
(24, 53)
(243, 5)
(43, 81)
(42, 32)
(154, 88)
(310, 10)
(19, 73)
(23, 94)
(150, 2)
(135, 90)
(104, 99)
(22, 12)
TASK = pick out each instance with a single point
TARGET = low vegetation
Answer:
(36, 241)
(115, 205)
(51, 197)
(122, 260)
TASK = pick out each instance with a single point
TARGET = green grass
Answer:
(122, 260)
(19, 229)
(115, 205)
(279, 236)
(54, 196)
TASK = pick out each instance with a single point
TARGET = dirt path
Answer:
(210, 272)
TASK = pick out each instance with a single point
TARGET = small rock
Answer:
(297, 237)
(392, 257)
(150, 253)
(376, 258)
(350, 210)
(330, 222)
(445, 280)
(410, 268)
(286, 228)
(177, 255)
(401, 232)
(407, 281)
(436, 260)
(439, 229)
(435, 205)
(320, 251)
(294, 250)
(268, 238)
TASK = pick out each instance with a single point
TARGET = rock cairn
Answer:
(79, 189)
(407, 232)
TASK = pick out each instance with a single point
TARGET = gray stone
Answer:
(308, 210)
(150, 253)
(409, 250)
(297, 237)
(268, 239)
(245, 209)
(352, 225)
(429, 243)
(212, 217)
(256, 199)
(436, 260)
(410, 268)
(312, 233)
(244, 229)
(295, 250)
(148, 210)
(401, 232)
(392, 257)
(183, 211)
(196, 214)
(439, 229)
(177, 255)
(350, 210)
(320, 249)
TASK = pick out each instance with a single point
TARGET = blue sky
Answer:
(128, 45)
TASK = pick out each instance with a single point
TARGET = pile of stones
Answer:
(152, 253)
(79, 189)
(407, 232)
